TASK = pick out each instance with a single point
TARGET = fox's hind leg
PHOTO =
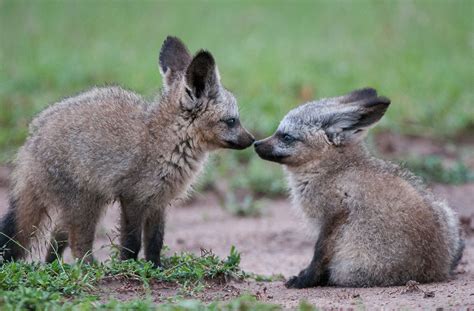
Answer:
(58, 243)
(131, 228)
(81, 216)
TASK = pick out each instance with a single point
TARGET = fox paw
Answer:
(300, 281)
(157, 265)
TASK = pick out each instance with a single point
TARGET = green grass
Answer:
(48, 286)
(432, 169)
(60, 286)
(274, 55)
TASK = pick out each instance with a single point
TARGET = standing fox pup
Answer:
(376, 224)
(109, 144)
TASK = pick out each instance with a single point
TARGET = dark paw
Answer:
(300, 281)
(291, 283)
(157, 264)
(126, 255)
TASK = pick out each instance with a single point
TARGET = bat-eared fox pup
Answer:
(376, 225)
(109, 144)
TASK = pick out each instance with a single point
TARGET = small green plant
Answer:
(247, 207)
(306, 306)
(184, 269)
(432, 169)
(263, 178)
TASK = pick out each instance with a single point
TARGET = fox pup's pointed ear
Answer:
(202, 76)
(358, 95)
(349, 123)
(174, 59)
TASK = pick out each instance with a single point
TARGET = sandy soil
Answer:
(277, 243)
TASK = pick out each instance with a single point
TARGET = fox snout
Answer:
(243, 140)
(266, 150)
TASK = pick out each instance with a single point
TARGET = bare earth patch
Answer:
(277, 243)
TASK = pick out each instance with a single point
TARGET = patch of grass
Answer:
(246, 207)
(184, 268)
(262, 177)
(60, 286)
(40, 286)
(433, 169)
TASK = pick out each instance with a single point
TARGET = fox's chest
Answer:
(171, 180)
(181, 179)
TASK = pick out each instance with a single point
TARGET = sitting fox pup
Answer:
(376, 225)
(109, 144)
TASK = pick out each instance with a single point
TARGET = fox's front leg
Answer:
(131, 221)
(316, 273)
(154, 231)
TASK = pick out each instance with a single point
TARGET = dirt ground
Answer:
(277, 243)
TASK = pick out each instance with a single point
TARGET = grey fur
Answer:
(109, 144)
(376, 224)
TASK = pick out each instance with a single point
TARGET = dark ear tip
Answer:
(379, 101)
(367, 91)
(171, 40)
(384, 100)
(205, 55)
(173, 54)
(171, 43)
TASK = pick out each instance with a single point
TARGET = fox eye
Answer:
(230, 122)
(287, 138)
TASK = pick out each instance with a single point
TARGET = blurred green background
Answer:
(273, 55)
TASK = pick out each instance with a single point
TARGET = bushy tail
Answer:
(9, 247)
(18, 226)
(458, 255)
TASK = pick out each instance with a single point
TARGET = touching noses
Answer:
(252, 139)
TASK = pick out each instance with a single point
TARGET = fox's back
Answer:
(95, 138)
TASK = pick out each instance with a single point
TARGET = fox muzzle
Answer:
(244, 140)
(266, 150)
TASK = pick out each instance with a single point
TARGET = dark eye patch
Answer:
(230, 122)
(287, 138)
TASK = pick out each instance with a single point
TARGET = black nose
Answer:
(257, 143)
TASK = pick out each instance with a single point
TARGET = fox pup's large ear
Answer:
(349, 123)
(174, 59)
(202, 76)
(358, 95)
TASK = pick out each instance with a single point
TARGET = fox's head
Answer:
(311, 131)
(193, 82)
